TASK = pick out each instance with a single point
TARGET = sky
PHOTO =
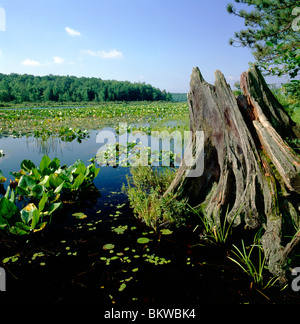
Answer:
(153, 41)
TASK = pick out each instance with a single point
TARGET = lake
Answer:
(110, 258)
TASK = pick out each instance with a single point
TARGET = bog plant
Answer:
(146, 189)
(40, 189)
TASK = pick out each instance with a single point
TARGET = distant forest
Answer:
(179, 97)
(28, 88)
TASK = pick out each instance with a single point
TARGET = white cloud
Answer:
(233, 78)
(72, 32)
(28, 62)
(112, 54)
(58, 60)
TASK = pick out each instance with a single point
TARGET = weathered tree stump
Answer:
(250, 169)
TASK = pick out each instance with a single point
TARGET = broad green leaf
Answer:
(35, 219)
(45, 162)
(26, 183)
(36, 174)
(27, 165)
(43, 202)
(53, 207)
(37, 192)
(78, 182)
(54, 165)
(59, 188)
(81, 169)
(9, 212)
(55, 181)
(20, 229)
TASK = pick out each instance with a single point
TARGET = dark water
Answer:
(67, 262)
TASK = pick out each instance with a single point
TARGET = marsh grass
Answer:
(252, 260)
(215, 230)
(145, 190)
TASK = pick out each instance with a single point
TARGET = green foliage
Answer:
(269, 34)
(29, 88)
(41, 186)
(179, 97)
(253, 265)
(146, 190)
(213, 229)
(289, 96)
(68, 123)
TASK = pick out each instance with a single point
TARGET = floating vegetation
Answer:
(66, 123)
(166, 232)
(79, 215)
(120, 230)
(108, 247)
(156, 260)
(143, 240)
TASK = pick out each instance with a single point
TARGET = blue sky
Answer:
(152, 41)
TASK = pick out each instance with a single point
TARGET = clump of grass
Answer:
(146, 191)
(251, 265)
(214, 230)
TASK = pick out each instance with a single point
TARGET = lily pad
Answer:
(79, 215)
(143, 240)
(108, 247)
(122, 287)
(166, 232)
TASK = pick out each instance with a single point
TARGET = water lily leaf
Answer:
(166, 232)
(122, 287)
(143, 240)
(108, 247)
(79, 215)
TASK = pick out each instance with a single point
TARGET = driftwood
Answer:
(250, 169)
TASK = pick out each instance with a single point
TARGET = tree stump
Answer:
(250, 169)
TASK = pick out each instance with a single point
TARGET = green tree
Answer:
(272, 34)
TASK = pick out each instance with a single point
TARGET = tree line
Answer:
(28, 88)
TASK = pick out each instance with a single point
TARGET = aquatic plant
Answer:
(213, 230)
(146, 189)
(41, 186)
(254, 269)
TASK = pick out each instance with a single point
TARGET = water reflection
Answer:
(44, 146)
(18, 149)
